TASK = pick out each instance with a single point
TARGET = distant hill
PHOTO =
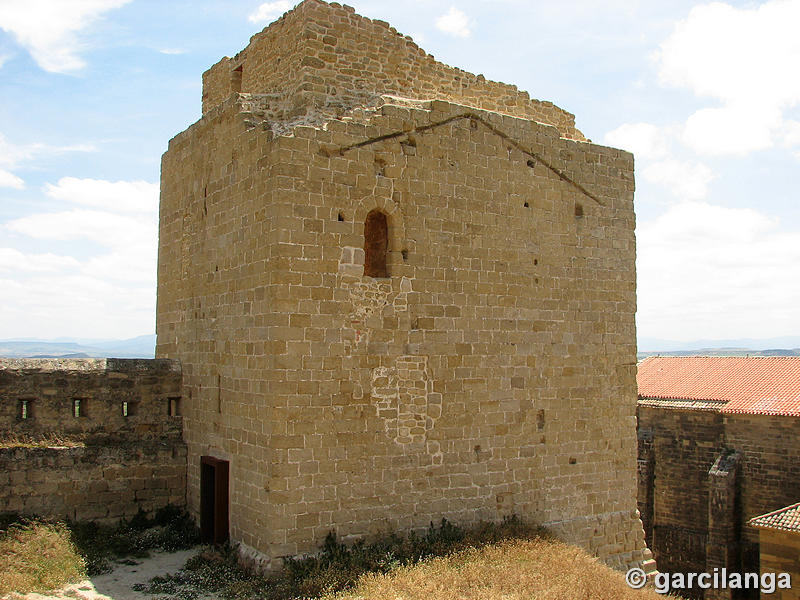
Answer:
(143, 346)
(724, 352)
(780, 346)
(661, 346)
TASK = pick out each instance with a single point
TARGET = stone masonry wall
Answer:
(685, 445)
(122, 447)
(780, 553)
(492, 372)
(770, 469)
(323, 55)
(94, 482)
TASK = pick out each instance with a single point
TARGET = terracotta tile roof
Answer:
(760, 385)
(786, 519)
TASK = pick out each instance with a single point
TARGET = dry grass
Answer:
(536, 569)
(36, 557)
(10, 439)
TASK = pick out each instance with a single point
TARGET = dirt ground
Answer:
(117, 584)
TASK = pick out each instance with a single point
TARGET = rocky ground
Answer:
(118, 584)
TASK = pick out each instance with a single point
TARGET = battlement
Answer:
(322, 56)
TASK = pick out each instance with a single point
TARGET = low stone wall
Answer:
(120, 423)
(102, 483)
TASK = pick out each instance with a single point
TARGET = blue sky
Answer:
(707, 96)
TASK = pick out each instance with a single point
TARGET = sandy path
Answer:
(117, 584)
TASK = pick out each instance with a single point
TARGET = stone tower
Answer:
(399, 292)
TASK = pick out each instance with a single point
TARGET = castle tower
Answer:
(399, 292)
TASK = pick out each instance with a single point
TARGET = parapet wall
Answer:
(323, 55)
(90, 396)
(95, 439)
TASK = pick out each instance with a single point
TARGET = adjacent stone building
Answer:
(399, 292)
(717, 447)
(779, 544)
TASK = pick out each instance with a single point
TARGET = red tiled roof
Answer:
(760, 385)
(786, 519)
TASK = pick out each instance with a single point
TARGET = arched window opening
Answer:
(376, 243)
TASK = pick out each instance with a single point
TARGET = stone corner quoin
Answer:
(399, 292)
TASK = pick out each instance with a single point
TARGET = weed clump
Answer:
(169, 530)
(36, 556)
(336, 567)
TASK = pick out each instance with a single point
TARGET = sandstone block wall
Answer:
(324, 56)
(685, 445)
(779, 554)
(491, 373)
(95, 482)
(113, 464)
(50, 388)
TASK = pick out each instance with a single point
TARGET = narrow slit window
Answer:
(77, 408)
(24, 409)
(127, 409)
(376, 244)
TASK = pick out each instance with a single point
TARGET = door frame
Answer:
(214, 504)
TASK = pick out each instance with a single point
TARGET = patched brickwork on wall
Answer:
(490, 372)
(120, 422)
(699, 515)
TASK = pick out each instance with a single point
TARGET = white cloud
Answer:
(746, 60)
(269, 11)
(75, 305)
(645, 140)
(104, 228)
(171, 51)
(14, 260)
(707, 271)
(12, 155)
(455, 22)
(117, 196)
(48, 28)
(10, 180)
(686, 180)
(112, 292)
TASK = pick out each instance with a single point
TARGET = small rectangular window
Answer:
(25, 409)
(78, 408)
(174, 406)
(126, 409)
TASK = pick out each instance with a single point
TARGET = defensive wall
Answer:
(90, 438)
